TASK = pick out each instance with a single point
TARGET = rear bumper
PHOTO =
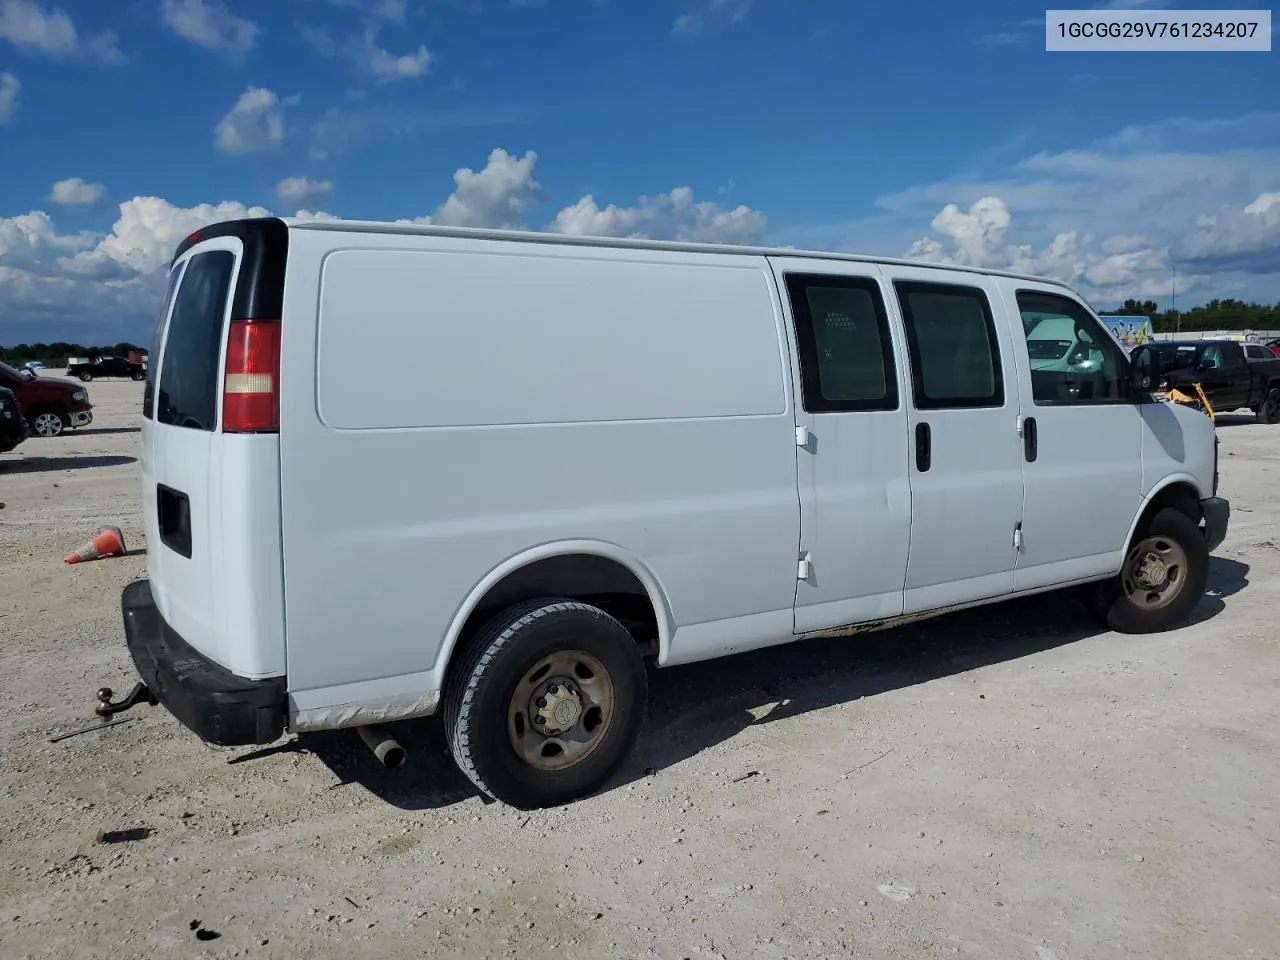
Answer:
(215, 704)
(1217, 516)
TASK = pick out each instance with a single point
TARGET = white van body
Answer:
(619, 420)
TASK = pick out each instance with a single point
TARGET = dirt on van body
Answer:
(1004, 783)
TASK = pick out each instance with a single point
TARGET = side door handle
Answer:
(924, 447)
(1030, 440)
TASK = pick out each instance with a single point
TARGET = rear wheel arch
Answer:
(592, 572)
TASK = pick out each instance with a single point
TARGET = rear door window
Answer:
(188, 373)
(846, 354)
(149, 391)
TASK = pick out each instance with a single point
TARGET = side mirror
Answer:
(1143, 370)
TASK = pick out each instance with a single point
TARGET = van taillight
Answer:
(251, 387)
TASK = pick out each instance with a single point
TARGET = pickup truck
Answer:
(107, 367)
(1229, 379)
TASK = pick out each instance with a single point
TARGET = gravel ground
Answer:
(997, 784)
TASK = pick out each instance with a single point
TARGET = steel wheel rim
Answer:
(560, 710)
(1154, 572)
(47, 424)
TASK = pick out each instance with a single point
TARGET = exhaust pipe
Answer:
(384, 746)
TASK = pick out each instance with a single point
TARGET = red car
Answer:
(50, 405)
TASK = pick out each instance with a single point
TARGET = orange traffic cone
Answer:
(108, 543)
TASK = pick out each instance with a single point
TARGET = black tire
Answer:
(86, 377)
(482, 689)
(137, 376)
(1118, 603)
(47, 422)
(1269, 410)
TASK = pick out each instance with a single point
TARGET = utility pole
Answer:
(1177, 317)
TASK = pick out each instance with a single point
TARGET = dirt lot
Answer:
(1000, 784)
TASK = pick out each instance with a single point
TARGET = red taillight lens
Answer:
(251, 387)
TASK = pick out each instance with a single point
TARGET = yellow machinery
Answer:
(1198, 400)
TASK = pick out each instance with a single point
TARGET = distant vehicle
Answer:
(1256, 351)
(611, 450)
(1273, 346)
(34, 365)
(1229, 377)
(13, 428)
(107, 367)
(49, 405)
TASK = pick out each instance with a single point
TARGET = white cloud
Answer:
(1247, 239)
(676, 215)
(255, 124)
(316, 215)
(31, 26)
(147, 233)
(692, 23)
(498, 196)
(687, 25)
(389, 67)
(367, 54)
(1197, 188)
(391, 10)
(297, 190)
(29, 240)
(210, 24)
(75, 192)
(9, 87)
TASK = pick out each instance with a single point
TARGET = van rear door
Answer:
(211, 492)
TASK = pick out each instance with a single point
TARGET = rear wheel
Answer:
(47, 423)
(1269, 410)
(546, 703)
(1164, 576)
(86, 377)
(137, 376)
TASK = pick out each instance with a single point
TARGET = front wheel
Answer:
(137, 376)
(86, 377)
(1164, 576)
(1269, 410)
(546, 703)
(47, 423)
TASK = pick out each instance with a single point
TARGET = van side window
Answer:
(1073, 358)
(189, 374)
(846, 352)
(955, 356)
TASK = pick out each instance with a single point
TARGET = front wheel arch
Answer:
(39, 416)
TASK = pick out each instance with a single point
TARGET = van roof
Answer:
(529, 236)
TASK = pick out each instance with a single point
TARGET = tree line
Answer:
(57, 354)
(1215, 315)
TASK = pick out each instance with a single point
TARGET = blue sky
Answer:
(940, 130)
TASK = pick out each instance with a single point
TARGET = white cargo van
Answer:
(607, 450)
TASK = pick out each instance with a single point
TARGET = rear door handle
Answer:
(1030, 440)
(924, 447)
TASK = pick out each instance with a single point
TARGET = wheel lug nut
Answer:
(541, 702)
(537, 719)
(553, 689)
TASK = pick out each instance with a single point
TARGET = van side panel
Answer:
(528, 338)
(449, 404)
